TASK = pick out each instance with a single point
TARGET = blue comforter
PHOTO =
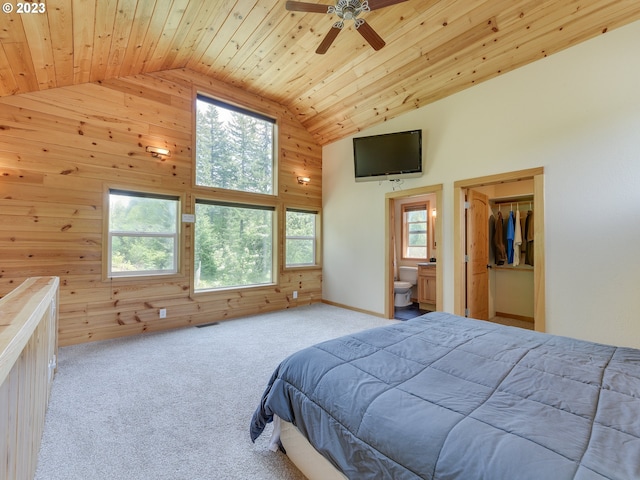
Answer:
(445, 397)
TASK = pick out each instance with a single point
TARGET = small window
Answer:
(234, 147)
(415, 232)
(300, 241)
(233, 245)
(143, 234)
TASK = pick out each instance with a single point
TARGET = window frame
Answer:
(316, 239)
(416, 206)
(241, 198)
(178, 236)
(200, 199)
(206, 97)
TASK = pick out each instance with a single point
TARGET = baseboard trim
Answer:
(515, 317)
(361, 310)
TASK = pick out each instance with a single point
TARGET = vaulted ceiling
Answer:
(433, 48)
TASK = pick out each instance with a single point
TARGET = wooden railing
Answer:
(28, 351)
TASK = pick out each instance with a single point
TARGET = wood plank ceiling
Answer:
(434, 48)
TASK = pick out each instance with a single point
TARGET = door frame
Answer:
(459, 291)
(389, 214)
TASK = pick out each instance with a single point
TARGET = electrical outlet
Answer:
(295, 294)
(162, 313)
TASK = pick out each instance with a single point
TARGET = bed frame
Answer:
(313, 465)
(444, 396)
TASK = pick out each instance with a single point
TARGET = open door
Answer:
(477, 255)
(460, 293)
(390, 199)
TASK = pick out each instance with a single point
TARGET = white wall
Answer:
(577, 114)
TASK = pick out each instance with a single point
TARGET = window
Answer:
(233, 245)
(234, 147)
(234, 242)
(143, 234)
(300, 241)
(415, 230)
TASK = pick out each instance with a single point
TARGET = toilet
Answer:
(407, 278)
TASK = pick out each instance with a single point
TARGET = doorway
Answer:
(470, 263)
(391, 200)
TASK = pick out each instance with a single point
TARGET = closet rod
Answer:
(528, 199)
(526, 203)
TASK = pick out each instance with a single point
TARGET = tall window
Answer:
(300, 242)
(143, 234)
(415, 221)
(234, 147)
(234, 245)
(234, 242)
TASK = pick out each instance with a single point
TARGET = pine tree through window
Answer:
(234, 147)
(234, 241)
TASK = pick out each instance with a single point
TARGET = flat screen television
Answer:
(388, 157)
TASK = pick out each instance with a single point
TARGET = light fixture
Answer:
(303, 180)
(434, 212)
(158, 152)
(349, 10)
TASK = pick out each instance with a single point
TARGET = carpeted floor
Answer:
(176, 405)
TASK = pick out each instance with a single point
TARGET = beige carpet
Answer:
(176, 405)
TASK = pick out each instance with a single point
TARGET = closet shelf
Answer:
(513, 199)
(519, 268)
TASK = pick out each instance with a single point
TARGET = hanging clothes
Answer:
(523, 247)
(492, 232)
(528, 234)
(517, 239)
(510, 237)
(500, 250)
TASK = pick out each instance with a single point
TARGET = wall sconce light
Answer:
(434, 212)
(303, 180)
(158, 152)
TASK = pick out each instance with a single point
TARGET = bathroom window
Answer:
(415, 231)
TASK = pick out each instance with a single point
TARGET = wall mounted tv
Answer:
(388, 157)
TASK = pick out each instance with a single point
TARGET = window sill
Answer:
(301, 267)
(147, 277)
(219, 290)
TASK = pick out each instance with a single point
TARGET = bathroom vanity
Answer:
(427, 285)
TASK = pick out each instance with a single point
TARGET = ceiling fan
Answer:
(345, 10)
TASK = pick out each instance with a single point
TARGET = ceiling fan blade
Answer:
(370, 36)
(328, 40)
(376, 4)
(306, 7)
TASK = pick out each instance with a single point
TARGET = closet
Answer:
(511, 273)
(511, 257)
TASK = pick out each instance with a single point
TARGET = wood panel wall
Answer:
(60, 151)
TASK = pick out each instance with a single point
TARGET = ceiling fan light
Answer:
(346, 10)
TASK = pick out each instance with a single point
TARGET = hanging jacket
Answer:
(510, 236)
(498, 241)
(517, 240)
(528, 237)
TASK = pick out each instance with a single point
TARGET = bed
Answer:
(446, 397)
